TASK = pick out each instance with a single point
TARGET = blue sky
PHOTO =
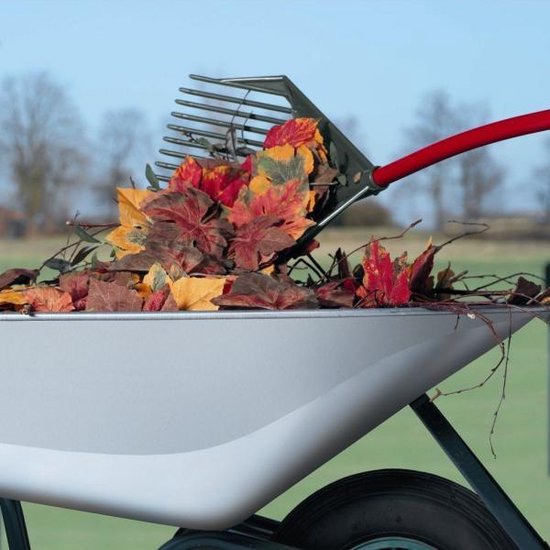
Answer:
(375, 60)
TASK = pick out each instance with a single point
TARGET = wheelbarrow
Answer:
(204, 432)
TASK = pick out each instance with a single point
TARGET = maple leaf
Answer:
(17, 276)
(256, 242)
(111, 296)
(188, 174)
(295, 132)
(129, 237)
(223, 183)
(284, 163)
(49, 299)
(191, 212)
(336, 294)
(76, 284)
(157, 278)
(160, 300)
(385, 282)
(287, 201)
(261, 291)
(196, 293)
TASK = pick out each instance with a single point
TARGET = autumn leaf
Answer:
(191, 213)
(260, 291)
(17, 276)
(284, 163)
(49, 299)
(385, 282)
(295, 132)
(111, 296)
(420, 280)
(129, 237)
(188, 174)
(76, 285)
(157, 278)
(160, 300)
(256, 242)
(196, 293)
(336, 294)
(287, 202)
(13, 297)
(223, 183)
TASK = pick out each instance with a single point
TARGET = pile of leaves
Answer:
(230, 235)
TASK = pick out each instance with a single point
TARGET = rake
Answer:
(238, 124)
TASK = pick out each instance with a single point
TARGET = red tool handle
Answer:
(460, 143)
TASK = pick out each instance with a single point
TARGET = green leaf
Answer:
(83, 235)
(58, 264)
(333, 155)
(152, 178)
(82, 254)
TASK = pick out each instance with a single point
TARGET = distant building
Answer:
(12, 223)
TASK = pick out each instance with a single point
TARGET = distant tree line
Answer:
(47, 156)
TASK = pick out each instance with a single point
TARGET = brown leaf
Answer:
(160, 300)
(255, 243)
(110, 296)
(336, 294)
(17, 276)
(260, 291)
(76, 284)
(525, 290)
(190, 211)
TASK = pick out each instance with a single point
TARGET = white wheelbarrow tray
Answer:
(199, 420)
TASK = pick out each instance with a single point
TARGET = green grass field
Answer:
(521, 439)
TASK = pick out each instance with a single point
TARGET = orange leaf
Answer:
(284, 163)
(194, 293)
(49, 299)
(188, 174)
(295, 132)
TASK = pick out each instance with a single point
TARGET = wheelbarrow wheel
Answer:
(393, 509)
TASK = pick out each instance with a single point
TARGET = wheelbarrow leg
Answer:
(14, 524)
(490, 492)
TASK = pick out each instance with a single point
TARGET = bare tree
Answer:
(436, 119)
(541, 177)
(41, 146)
(123, 144)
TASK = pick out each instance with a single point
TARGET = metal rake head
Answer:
(233, 124)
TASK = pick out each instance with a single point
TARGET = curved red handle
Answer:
(460, 143)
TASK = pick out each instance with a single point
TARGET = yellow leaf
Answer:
(195, 293)
(157, 278)
(129, 201)
(129, 237)
(14, 297)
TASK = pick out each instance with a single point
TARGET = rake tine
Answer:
(234, 113)
(240, 101)
(213, 135)
(221, 123)
(219, 149)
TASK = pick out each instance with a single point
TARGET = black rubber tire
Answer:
(414, 506)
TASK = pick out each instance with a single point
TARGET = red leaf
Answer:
(190, 211)
(260, 291)
(286, 201)
(104, 296)
(223, 183)
(256, 242)
(295, 132)
(188, 174)
(385, 283)
(160, 300)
